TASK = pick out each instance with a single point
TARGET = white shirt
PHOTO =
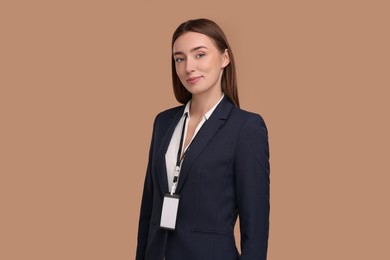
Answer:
(173, 148)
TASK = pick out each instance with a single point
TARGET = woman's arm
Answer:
(252, 186)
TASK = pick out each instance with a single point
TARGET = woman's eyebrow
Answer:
(192, 50)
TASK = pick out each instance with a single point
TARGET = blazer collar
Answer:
(203, 137)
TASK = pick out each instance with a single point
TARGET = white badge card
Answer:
(169, 211)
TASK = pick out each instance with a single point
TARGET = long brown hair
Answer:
(229, 78)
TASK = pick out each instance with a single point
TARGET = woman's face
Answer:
(199, 63)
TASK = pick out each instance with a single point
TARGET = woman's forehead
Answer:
(191, 40)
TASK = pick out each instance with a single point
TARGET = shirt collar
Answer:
(208, 113)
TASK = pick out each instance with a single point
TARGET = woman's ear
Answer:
(225, 58)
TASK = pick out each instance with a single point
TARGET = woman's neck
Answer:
(201, 104)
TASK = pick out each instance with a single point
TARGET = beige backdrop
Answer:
(81, 82)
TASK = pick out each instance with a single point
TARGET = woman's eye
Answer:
(200, 55)
(178, 60)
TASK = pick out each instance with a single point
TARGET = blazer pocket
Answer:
(210, 232)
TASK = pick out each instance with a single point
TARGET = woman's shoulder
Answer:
(246, 115)
(249, 123)
(168, 113)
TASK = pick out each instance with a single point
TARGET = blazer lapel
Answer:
(161, 165)
(203, 137)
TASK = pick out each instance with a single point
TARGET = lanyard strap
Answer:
(179, 157)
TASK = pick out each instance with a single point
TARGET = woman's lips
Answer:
(193, 80)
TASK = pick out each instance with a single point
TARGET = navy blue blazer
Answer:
(225, 173)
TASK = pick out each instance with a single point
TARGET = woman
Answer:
(208, 160)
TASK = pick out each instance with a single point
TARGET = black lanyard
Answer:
(179, 156)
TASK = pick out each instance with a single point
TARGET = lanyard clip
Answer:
(173, 190)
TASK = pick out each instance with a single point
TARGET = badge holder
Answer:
(169, 211)
(170, 207)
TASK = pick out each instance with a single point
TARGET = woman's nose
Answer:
(190, 65)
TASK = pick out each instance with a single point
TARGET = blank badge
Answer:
(169, 211)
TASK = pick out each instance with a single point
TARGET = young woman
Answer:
(208, 160)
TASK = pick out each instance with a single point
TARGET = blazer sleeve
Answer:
(146, 205)
(252, 172)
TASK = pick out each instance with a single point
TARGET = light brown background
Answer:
(81, 82)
